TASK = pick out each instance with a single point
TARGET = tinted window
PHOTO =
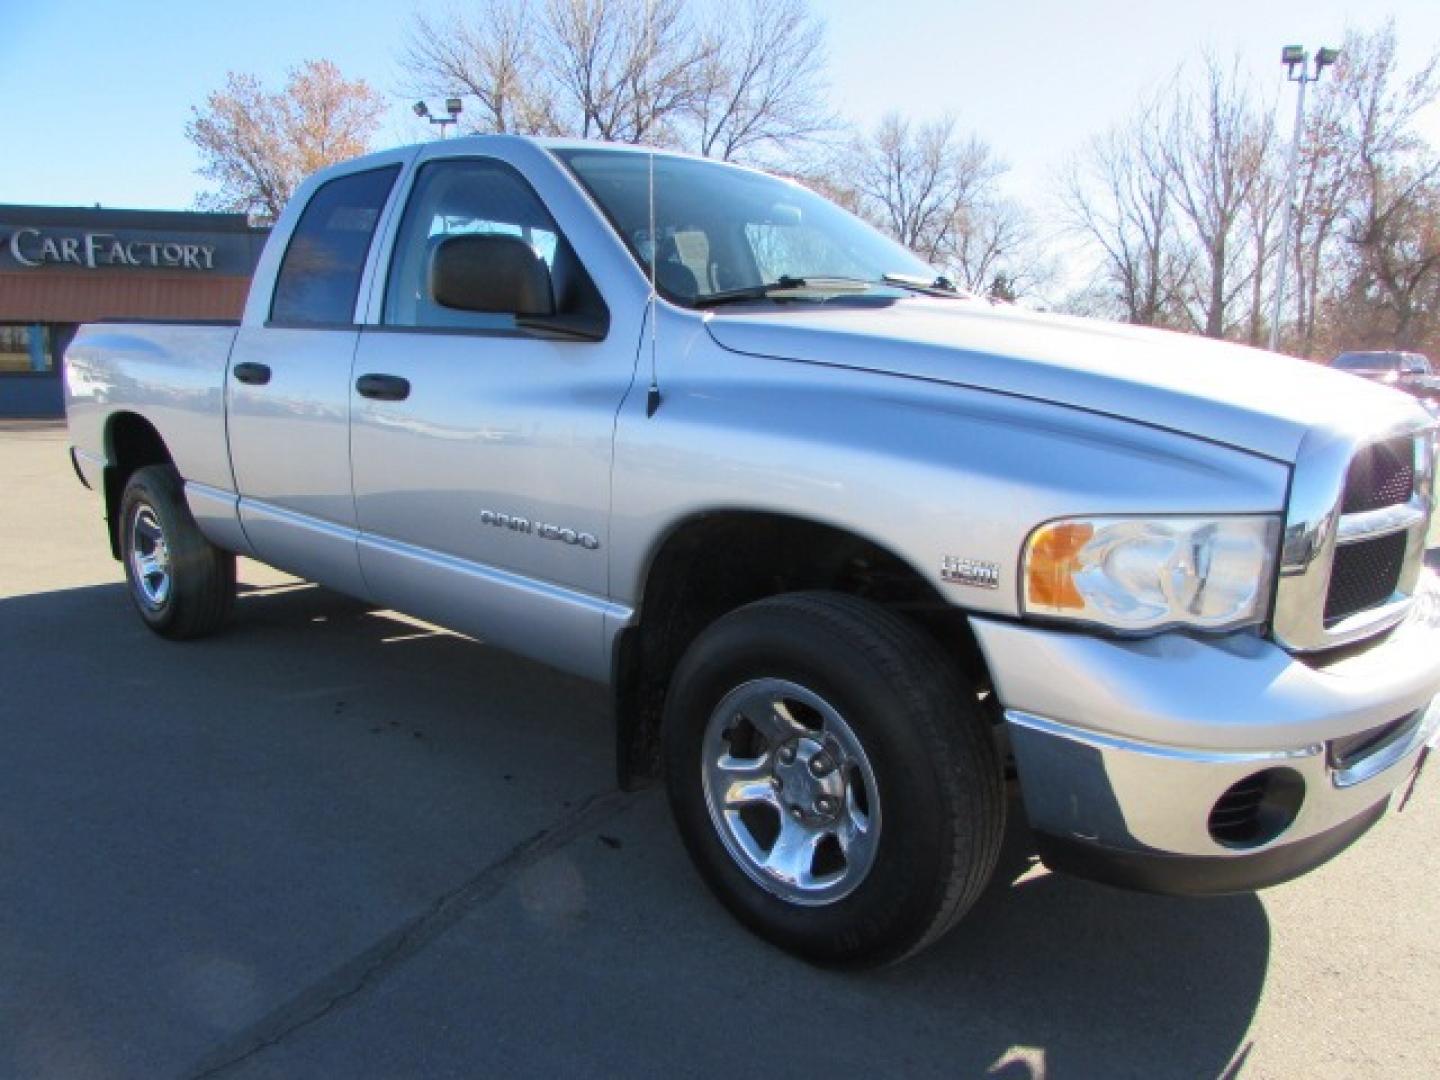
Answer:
(319, 278)
(1367, 361)
(452, 198)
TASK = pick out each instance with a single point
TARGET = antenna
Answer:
(652, 396)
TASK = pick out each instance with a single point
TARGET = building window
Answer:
(25, 349)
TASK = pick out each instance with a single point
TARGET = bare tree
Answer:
(936, 191)
(624, 69)
(1180, 204)
(916, 181)
(762, 83)
(1262, 222)
(1214, 147)
(492, 61)
(743, 81)
(1118, 195)
(1395, 253)
(828, 173)
(997, 251)
(257, 146)
(1325, 188)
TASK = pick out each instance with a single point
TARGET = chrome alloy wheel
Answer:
(149, 558)
(790, 791)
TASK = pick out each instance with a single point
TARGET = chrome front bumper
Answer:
(1124, 748)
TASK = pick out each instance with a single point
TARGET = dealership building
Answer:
(61, 266)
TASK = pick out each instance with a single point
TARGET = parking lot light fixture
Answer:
(1295, 59)
(453, 107)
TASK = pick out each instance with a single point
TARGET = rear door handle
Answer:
(383, 387)
(254, 374)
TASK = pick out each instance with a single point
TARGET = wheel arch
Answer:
(712, 562)
(131, 442)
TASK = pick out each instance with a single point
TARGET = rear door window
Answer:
(319, 278)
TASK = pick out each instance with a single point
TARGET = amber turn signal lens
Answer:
(1050, 565)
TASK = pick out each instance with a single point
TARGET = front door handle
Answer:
(383, 387)
(253, 374)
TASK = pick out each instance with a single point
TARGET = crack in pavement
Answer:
(324, 996)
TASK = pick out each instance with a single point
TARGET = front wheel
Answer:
(182, 585)
(832, 778)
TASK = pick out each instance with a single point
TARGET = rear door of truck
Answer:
(288, 386)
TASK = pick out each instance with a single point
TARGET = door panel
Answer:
(482, 492)
(491, 479)
(290, 448)
(288, 385)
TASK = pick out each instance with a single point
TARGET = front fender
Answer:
(926, 470)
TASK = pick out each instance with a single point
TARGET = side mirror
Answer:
(490, 273)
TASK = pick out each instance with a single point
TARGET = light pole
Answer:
(1295, 57)
(452, 106)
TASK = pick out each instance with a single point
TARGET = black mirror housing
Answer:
(490, 273)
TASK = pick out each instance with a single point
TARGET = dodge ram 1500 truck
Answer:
(848, 545)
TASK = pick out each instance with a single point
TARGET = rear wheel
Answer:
(831, 777)
(182, 585)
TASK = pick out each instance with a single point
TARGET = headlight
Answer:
(1147, 573)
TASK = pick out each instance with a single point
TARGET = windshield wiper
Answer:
(781, 288)
(938, 286)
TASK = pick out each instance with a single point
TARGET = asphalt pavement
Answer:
(335, 842)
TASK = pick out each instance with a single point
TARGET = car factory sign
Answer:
(31, 247)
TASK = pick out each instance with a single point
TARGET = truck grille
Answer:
(1380, 475)
(1365, 575)
(1354, 541)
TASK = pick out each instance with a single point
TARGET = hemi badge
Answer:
(972, 572)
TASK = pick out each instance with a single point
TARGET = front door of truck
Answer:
(481, 447)
(288, 388)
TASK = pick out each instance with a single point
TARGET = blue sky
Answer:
(94, 95)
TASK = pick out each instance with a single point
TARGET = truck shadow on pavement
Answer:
(336, 842)
(1101, 980)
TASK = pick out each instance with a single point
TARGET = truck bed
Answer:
(172, 374)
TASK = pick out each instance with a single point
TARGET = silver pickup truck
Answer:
(851, 547)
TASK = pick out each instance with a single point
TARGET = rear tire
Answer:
(832, 777)
(182, 585)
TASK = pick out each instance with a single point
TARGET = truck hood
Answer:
(1247, 398)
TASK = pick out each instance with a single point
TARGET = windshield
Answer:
(1368, 362)
(719, 228)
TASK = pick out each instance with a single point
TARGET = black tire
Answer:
(198, 579)
(933, 759)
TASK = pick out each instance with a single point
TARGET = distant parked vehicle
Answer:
(1408, 371)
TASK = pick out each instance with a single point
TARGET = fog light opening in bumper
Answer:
(1257, 809)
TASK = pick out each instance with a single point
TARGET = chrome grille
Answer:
(1382, 474)
(1354, 536)
(1365, 575)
